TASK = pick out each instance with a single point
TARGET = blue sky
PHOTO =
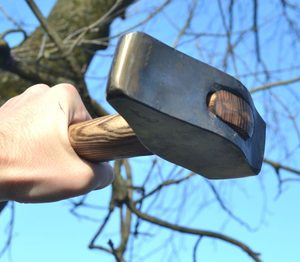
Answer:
(49, 232)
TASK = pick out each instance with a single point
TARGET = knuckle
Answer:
(10, 102)
(66, 89)
(71, 101)
(36, 89)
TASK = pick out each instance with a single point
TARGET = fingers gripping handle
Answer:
(105, 138)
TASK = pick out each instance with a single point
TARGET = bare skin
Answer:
(37, 162)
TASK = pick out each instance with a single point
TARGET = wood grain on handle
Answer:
(105, 138)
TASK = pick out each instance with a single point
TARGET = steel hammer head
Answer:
(186, 111)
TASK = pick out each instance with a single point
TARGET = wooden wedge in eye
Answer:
(232, 110)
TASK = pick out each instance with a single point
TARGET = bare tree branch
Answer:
(255, 29)
(92, 243)
(198, 232)
(10, 230)
(164, 184)
(274, 84)
(277, 166)
(229, 49)
(10, 18)
(125, 221)
(195, 249)
(11, 31)
(292, 24)
(187, 23)
(101, 21)
(151, 15)
(114, 251)
(226, 209)
(54, 37)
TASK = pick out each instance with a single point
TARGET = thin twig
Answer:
(187, 23)
(92, 243)
(291, 113)
(114, 251)
(255, 30)
(195, 249)
(279, 179)
(125, 221)
(278, 166)
(42, 47)
(279, 70)
(82, 204)
(10, 230)
(274, 84)
(10, 18)
(157, 10)
(289, 180)
(228, 29)
(97, 24)
(226, 209)
(292, 24)
(54, 36)
(164, 184)
(198, 232)
(11, 31)
(150, 171)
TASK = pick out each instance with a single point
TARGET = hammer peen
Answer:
(176, 107)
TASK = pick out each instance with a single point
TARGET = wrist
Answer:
(5, 167)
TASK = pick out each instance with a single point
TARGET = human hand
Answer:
(37, 162)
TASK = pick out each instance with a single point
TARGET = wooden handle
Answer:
(105, 138)
(234, 111)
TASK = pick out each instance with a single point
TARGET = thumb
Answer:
(71, 103)
(104, 175)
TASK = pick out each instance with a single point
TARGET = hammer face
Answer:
(162, 94)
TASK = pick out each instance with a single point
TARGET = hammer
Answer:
(176, 107)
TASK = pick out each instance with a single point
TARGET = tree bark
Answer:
(38, 59)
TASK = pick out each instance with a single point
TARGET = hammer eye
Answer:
(232, 110)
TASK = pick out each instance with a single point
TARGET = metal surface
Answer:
(162, 94)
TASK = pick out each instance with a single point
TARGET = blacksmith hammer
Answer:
(176, 107)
